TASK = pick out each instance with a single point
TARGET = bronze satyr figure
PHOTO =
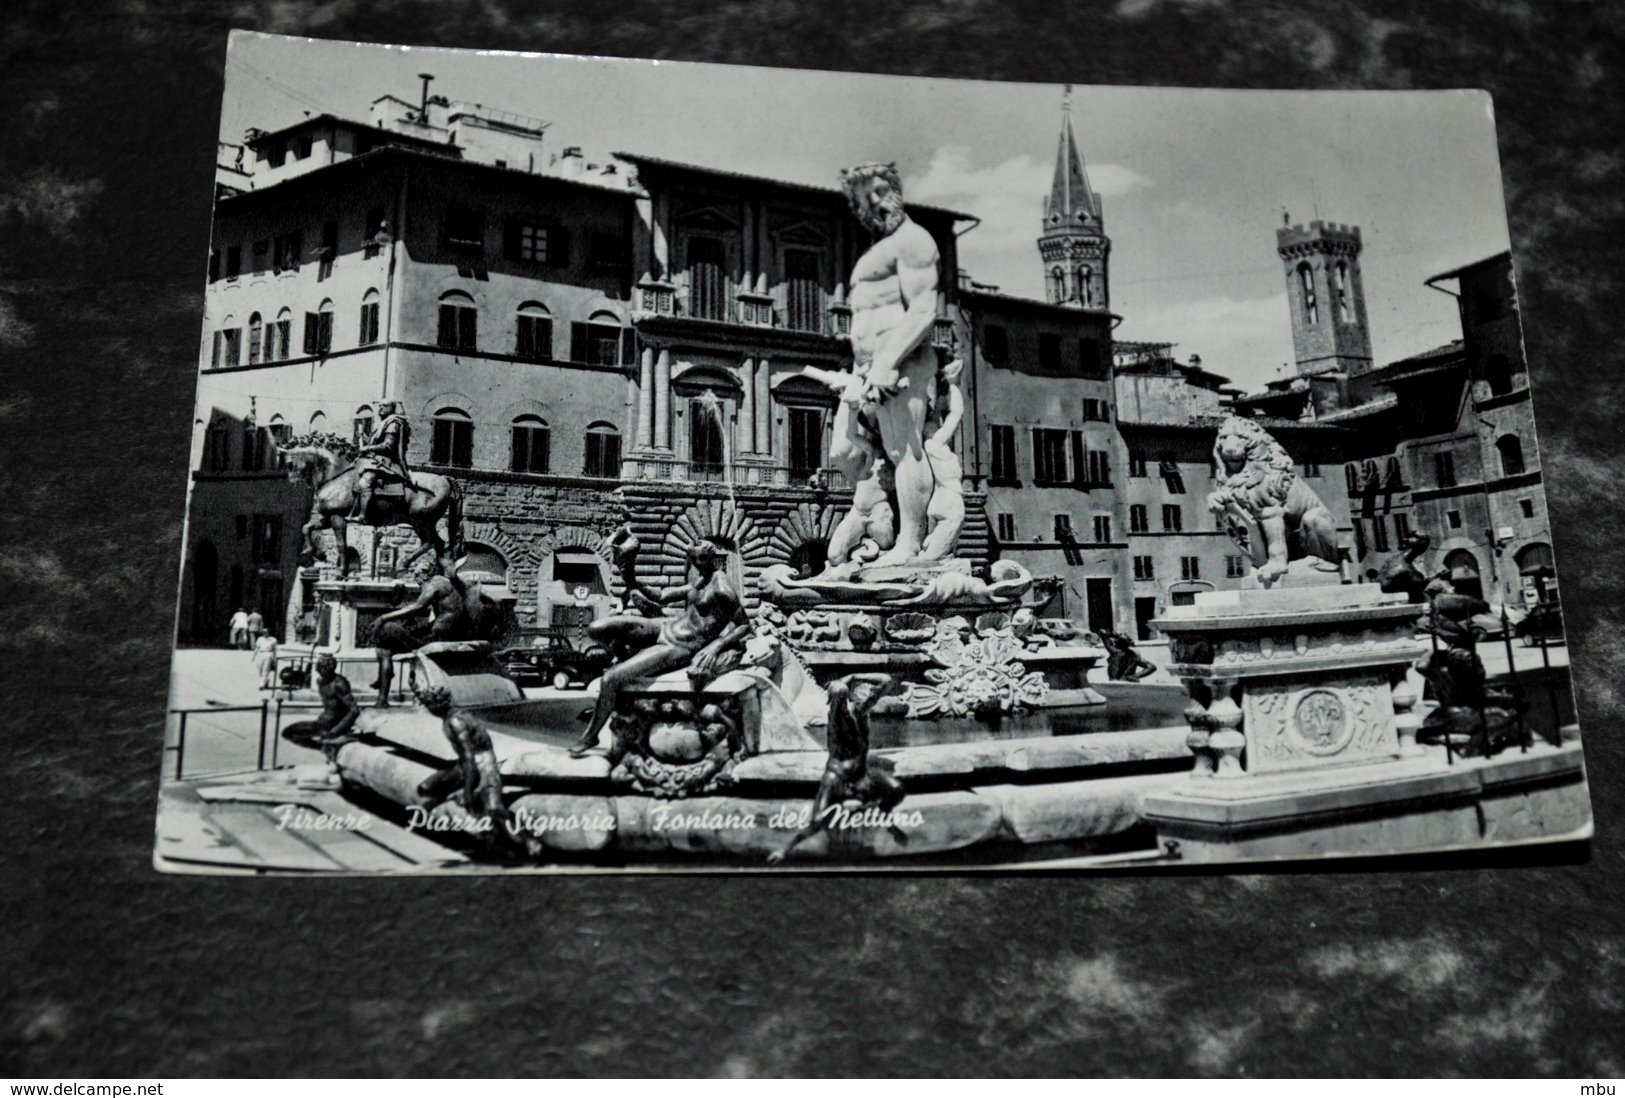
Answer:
(851, 774)
(475, 775)
(331, 728)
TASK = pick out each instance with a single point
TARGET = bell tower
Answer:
(1074, 246)
(1326, 295)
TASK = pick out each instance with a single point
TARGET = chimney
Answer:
(570, 161)
(423, 103)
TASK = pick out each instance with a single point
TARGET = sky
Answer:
(1194, 182)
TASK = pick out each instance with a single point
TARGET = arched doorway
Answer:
(1537, 573)
(1464, 573)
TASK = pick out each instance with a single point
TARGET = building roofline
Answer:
(835, 192)
(265, 137)
(1035, 303)
(374, 157)
(1457, 272)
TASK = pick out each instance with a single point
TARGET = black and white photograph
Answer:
(610, 465)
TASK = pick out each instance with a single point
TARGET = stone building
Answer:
(1169, 414)
(493, 303)
(1441, 442)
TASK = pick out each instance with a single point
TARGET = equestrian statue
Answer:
(373, 485)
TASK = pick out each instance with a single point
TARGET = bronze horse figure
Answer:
(328, 464)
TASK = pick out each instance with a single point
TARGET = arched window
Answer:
(602, 341)
(483, 564)
(1537, 572)
(459, 322)
(452, 442)
(1393, 477)
(1343, 313)
(1511, 450)
(530, 445)
(1057, 284)
(318, 423)
(256, 332)
(216, 446)
(1351, 473)
(1086, 285)
(280, 337)
(603, 451)
(319, 329)
(228, 344)
(279, 432)
(578, 567)
(368, 330)
(533, 332)
(1306, 288)
(705, 447)
(361, 425)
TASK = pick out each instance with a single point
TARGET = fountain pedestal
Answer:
(1301, 712)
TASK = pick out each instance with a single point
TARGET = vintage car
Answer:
(548, 656)
(1544, 620)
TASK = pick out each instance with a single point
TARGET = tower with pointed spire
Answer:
(1074, 246)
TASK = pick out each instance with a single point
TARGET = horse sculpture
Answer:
(328, 464)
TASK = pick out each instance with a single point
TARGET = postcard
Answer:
(607, 465)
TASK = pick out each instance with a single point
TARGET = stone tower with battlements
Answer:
(1074, 246)
(1326, 295)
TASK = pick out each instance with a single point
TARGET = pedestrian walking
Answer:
(265, 660)
(239, 628)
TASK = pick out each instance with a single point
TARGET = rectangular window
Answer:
(806, 442)
(285, 251)
(1049, 456)
(302, 146)
(267, 541)
(1444, 469)
(595, 344)
(458, 326)
(603, 454)
(1007, 526)
(1049, 352)
(1136, 463)
(261, 256)
(216, 448)
(527, 241)
(1144, 568)
(369, 323)
(1190, 568)
(452, 443)
(1173, 518)
(284, 340)
(803, 295)
(996, 344)
(1063, 529)
(1379, 534)
(464, 229)
(707, 278)
(318, 333)
(277, 154)
(1100, 469)
(1235, 567)
(1139, 520)
(1097, 410)
(529, 448)
(234, 261)
(1172, 478)
(1103, 528)
(1310, 469)
(1004, 456)
(1091, 362)
(1526, 507)
(606, 252)
(1453, 519)
(231, 347)
(534, 337)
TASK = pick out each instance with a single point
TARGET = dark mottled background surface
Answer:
(107, 120)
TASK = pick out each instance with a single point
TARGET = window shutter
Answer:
(466, 322)
(519, 462)
(629, 346)
(558, 246)
(543, 339)
(578, 341)
(1080, 463)
(324, 332)
(1040, 465)
(311, 323)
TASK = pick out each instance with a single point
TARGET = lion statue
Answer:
(1259, 489)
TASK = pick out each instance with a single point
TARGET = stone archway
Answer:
(801, 538)
(555, 601)
(720, 521)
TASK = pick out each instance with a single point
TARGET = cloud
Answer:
(1246, 339)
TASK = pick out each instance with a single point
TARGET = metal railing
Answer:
(635, 468)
